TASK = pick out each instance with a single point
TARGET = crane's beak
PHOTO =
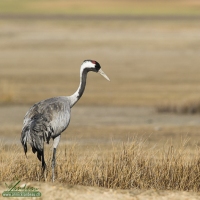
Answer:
(103, 74)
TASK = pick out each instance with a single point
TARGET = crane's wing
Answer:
(44, 120)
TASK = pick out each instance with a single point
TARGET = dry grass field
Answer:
(139, 172)
(135, 137)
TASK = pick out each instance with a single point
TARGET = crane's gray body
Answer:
(45, 120)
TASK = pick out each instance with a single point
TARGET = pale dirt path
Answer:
(63, 191)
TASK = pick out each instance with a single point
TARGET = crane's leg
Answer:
(43, 164)
(55, 144)
(53, 164)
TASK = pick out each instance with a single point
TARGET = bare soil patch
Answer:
(91, 125)
(64, 191)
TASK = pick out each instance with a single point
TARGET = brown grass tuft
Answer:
(185, 107)
(128, 166)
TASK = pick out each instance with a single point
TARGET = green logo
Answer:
(14, 190)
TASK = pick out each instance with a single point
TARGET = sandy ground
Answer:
(63, 191)
(94, 125)
(106, 116)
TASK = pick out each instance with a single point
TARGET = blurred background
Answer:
(149, 49)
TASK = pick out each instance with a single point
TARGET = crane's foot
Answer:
(44, 171)
(53, 176)
(45, 175)
(53, 167)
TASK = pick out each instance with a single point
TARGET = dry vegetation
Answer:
(128, 165)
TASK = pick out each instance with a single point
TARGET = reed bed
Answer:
(129, 165)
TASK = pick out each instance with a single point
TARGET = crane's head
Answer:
(92, 65)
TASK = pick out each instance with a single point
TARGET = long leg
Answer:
(43, 164)
(53, 163)
(55, 144)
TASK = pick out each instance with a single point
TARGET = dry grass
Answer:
(129, 165)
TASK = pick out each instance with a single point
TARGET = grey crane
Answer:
(49, 118)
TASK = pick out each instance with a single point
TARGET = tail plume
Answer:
(36, 132)
(24, 138)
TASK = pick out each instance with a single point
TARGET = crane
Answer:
(49, 118)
